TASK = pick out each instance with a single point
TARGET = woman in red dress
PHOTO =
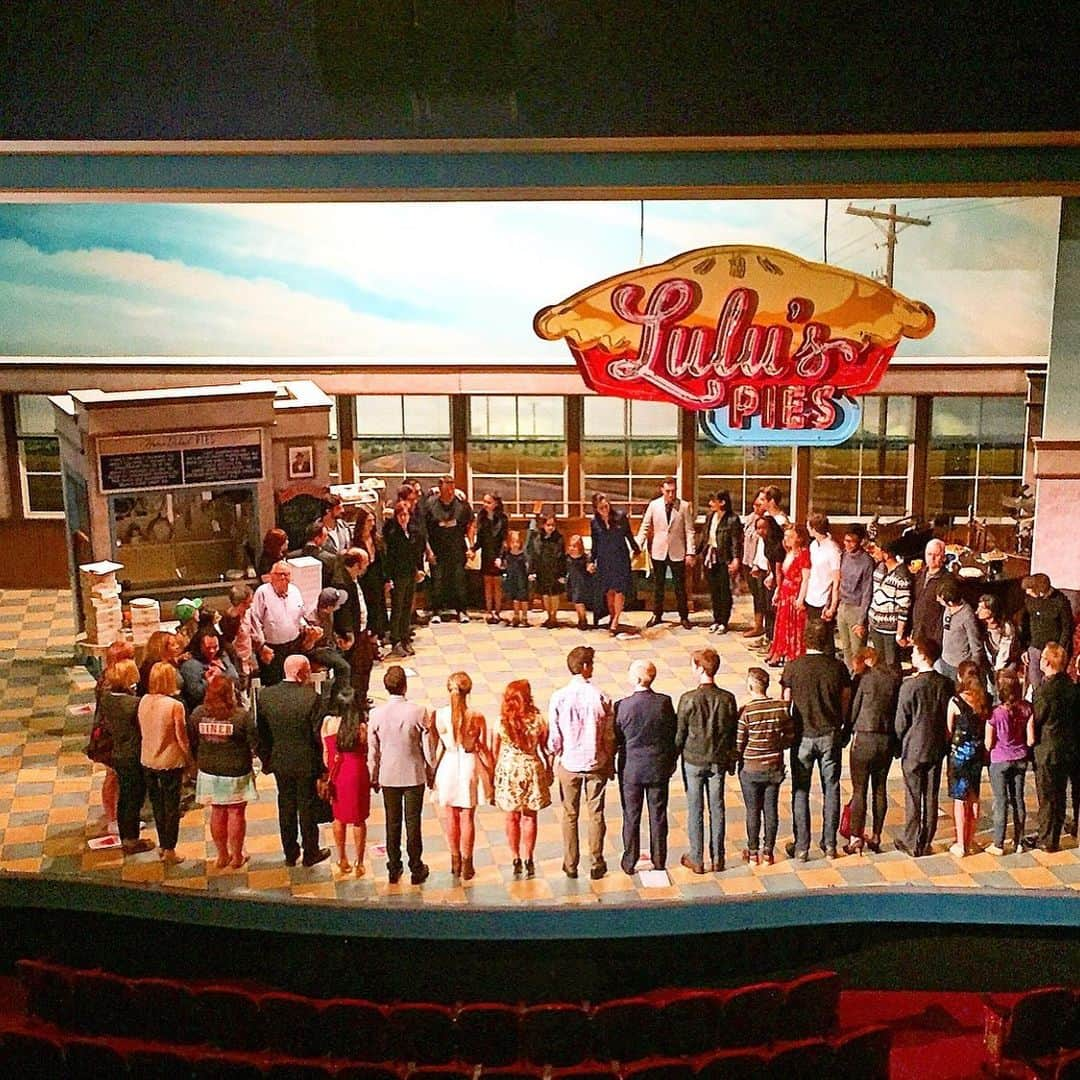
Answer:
(789, 635)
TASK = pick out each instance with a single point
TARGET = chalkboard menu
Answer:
(180, 468)
(129, 472)
(222, 464)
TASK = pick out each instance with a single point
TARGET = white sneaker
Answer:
(462, 617)
(435, 619)
(722, 629)
(993, 849)
(715, 628)
(957, 850)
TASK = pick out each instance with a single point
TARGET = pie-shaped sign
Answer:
(770, 347)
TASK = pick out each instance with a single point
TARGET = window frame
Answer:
(21, 439)
(402, 439)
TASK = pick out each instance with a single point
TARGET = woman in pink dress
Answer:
(789, 634)
(344, 735)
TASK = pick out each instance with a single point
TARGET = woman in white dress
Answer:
(462, 764)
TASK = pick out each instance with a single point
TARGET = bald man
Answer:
(645, 727)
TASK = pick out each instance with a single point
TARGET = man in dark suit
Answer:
(351, 621)
(1057, 733)
(645, 726)
(924, 741)
(289, 717)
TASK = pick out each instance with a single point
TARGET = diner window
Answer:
(867, 475)
(627, 449)
(39, 457)
(333, 444)
(976, 455)
(741, 470)
(402, 435)
(517, 448)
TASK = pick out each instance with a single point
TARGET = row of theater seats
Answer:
(43, 1054)
(674, 1023)
(1036, 1035)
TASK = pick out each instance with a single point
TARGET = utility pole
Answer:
(889, 231)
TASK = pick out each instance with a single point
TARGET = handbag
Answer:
(100, 746)
(845, 821)
(325, 786)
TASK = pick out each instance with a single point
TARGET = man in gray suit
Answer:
(667, 530)
(645, 726)
(289, 717)
(400, 746)
(924, 741)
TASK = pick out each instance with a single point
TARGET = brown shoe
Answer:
(694, 867)
(136, 847)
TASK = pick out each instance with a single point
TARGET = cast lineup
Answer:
(836, 621)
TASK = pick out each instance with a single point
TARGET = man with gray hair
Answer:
(927, 615)
(645, 728)
(289, 719)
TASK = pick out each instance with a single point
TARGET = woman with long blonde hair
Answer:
(463, 763)
(523, 771)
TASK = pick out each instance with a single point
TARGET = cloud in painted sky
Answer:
(460, 280)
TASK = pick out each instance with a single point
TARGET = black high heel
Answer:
(517, 868)
(530, 868)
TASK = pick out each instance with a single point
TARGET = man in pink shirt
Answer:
(581, 735)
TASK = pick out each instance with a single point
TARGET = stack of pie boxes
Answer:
(103, 615)
(145, 620)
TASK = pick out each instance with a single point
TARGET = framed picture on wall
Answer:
(301, 462)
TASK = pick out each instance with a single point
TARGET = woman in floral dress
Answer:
(789, 634)
(523, 771)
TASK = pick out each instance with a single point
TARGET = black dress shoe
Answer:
(570, 872)
(293, 859)
(686, 624)
(596, 873)
(654, 620)
(393, 876)
(627, 870)
(313, 858)
(421, 875)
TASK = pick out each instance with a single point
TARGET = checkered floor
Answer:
(50, 793)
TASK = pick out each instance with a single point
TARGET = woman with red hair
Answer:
(275, 546)
(223, 738)
(523, 771)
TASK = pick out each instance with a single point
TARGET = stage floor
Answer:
(50, 793)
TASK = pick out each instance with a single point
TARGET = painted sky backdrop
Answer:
(460, 281)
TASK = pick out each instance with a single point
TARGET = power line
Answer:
(889, 231)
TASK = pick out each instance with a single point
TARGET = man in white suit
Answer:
(667, 530)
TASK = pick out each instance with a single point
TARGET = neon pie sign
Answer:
(767, 347)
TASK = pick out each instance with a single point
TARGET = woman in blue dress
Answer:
(966, 721)
(612, 542)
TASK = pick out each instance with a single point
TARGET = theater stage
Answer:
(50, 801)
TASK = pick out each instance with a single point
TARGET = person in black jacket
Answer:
(645, 726)
(708, 718)
(873, 742)
(921, 711)
(1047, 617)
(721, 547)
(404, 540)
(289, 718)
(1057, 732)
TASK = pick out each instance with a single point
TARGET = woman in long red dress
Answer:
(789, 634)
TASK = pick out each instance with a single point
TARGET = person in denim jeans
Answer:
(705, 738)
(1010, 732)
(764, 732)
(819, 690)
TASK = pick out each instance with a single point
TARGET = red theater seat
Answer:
(160, 1063)
(354, 1029)
(587, 1070)
(214, 1066)
(732, 1065)
(558, 1034)
(29, 1055)
(299, 1069)
(94, 1059)
(442, 1072)
(488, 1033)
(1068, 1066)
(290, 1024)
(808, 1059)
(1038, 1024)
(659, 1068)
(688, 1021)
(421, 1033)
(364, 1071)
(751, 1015)
(48, 988)
(229, 1017)
(863, 1054)
(513, 1072)
(810, 1005)
(625, 1029)
(101, 1003)
(164, 1010)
